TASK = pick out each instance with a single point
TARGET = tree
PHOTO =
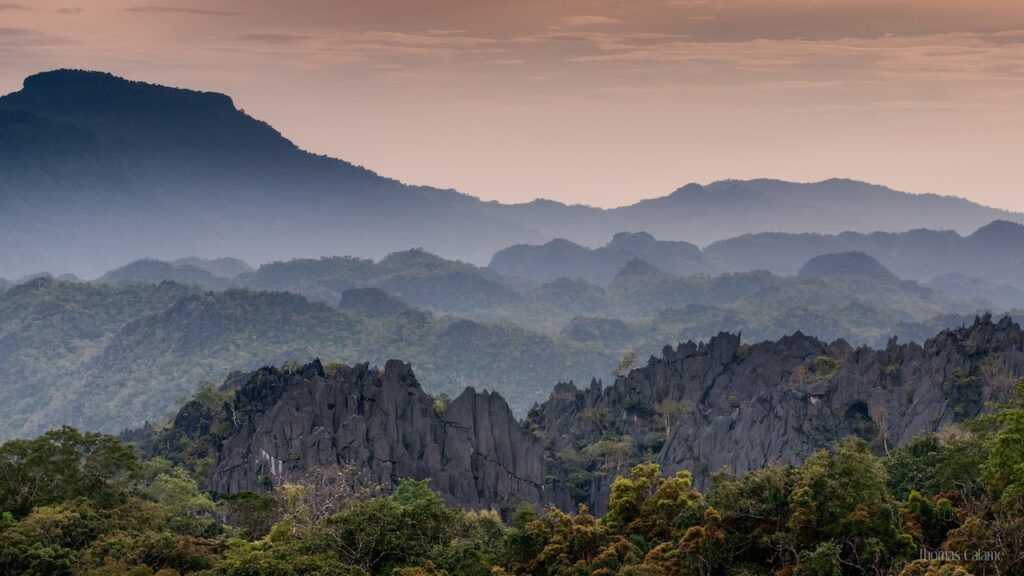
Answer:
(408, 528)
(1003, 471)
(626, 364)
(323, 492)
(653, 507)
(61, 465)
(176, 492)
(670, 410)
(565, 544)
(841, 495)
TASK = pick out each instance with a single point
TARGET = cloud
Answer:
(181, 10)
(11, 7)
(274, 38)
(586, 20)
(70, 11)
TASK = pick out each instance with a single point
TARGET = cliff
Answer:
(703, 407)
(725, 405)
(382, 422)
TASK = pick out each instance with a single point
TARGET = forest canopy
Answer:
(941, 505)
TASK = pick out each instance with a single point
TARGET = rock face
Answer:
(474, 452)
(727, 405)
(700, 407)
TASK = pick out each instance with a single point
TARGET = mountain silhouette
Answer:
(97, 171)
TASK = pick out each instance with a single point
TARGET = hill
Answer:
(564, 259)
(992, 252)
(849, 264)
(650, 305)
(104, 358)
(155, 271)
(168, 173)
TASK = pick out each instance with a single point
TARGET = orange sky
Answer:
(599, 102)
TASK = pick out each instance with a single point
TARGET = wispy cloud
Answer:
(181, 10)
(9, 32)
(11, 7)
(589, 20)
(274, 38)
(70, 11)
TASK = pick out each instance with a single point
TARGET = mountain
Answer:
(864, 309)
(564, 259)
(961, 287)
(857, 264)
(50, 329)
(154, 272)
(104, 357)
(416, 277)
(698, 407)
(97, 171)
(651, 305)
(372, 303)
(220, 267)
(992, 252)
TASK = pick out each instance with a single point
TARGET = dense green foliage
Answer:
(50, 330)
(950, 506)
(106, 358)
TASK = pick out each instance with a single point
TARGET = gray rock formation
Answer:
(724, 405)
(382, 422)
(720, 405)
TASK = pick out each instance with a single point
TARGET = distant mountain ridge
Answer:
(986, 264)
(97, 171)
(994, 252)
(859, 301)
(561, 258)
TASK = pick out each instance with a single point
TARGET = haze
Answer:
(596, 102)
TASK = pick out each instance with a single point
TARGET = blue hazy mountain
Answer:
(98, 171)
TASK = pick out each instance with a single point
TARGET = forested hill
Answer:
(700, 407)
(168, 172)
(988, 256)
(104, 358)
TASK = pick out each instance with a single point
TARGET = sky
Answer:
(601, 102)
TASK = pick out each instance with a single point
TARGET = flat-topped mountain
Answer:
(97, 171)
